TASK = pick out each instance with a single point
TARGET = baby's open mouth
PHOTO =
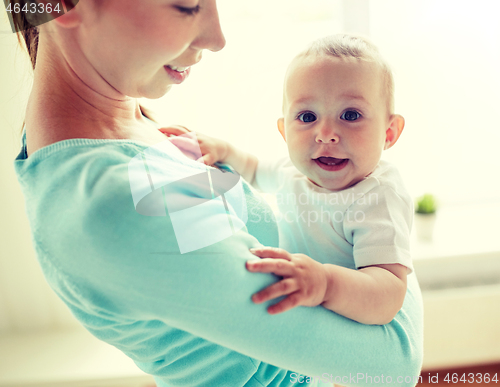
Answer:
(331, 164)
(330, 160)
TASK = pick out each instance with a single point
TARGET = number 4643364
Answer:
(471, 378)
(34, 7)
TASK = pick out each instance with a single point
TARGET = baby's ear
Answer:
(396, 126)
(281, 127)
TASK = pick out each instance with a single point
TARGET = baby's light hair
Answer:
(353, 46)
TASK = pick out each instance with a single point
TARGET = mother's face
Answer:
(130, 43)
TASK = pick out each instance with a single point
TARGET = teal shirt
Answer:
(187, 318)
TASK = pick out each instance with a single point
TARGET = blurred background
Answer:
(445, 55)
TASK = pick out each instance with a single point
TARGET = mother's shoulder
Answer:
(42, 133)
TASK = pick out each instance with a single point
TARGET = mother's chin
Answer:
(152, 92)
(160, 84)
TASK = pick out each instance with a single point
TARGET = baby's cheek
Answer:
(296, 153)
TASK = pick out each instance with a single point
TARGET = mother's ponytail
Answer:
(26, 34)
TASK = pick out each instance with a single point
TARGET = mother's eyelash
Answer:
(189, 11)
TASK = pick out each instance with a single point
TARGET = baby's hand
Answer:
(174, 130)
(201, 147)
(304, 279)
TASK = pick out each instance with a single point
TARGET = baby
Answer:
(346, 211)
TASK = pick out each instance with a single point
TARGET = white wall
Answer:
(446, 56)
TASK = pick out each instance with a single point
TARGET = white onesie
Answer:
(366, 224)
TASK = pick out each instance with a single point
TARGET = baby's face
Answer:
(336, 119)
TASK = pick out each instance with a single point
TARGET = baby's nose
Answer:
(327, 135)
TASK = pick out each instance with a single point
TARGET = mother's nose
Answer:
(211, 36)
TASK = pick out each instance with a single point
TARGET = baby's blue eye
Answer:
(350, 115)
(307, 117)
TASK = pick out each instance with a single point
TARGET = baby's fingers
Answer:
(208, 159)
(288, 303)
(174, 130)
(188, 146)
(279, 267)
(271, 252)
(278, 289)
(185, 143)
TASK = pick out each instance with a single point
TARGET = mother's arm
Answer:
(134, 267)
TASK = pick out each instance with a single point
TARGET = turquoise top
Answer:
(127, 269)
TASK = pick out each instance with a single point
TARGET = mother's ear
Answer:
(43, 11)
(72, 17)
(396, 126)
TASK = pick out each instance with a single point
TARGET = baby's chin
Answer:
(332, 185)
(328, 185)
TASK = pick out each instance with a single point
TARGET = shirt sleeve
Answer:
(378, 226)
(127, 264)
(270, 174)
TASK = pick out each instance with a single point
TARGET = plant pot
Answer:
(424, 224)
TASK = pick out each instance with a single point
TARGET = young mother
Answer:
(186, 318)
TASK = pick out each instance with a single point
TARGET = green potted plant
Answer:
(425, 217)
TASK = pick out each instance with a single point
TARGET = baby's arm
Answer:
(371, 295)
(244, 163)
(214, 150)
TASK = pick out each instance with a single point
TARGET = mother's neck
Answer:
(70, 99)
